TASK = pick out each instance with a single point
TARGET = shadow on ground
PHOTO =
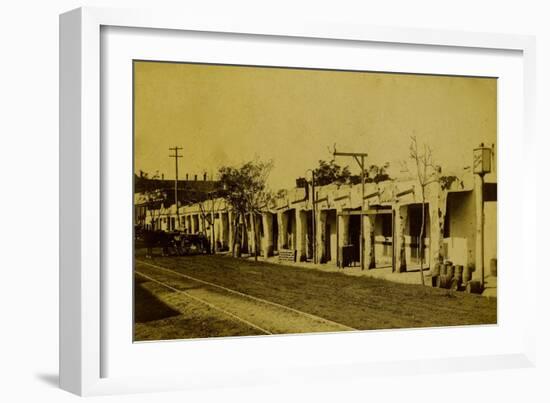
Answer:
(148, 307)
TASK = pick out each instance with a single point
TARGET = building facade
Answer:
(325, 225)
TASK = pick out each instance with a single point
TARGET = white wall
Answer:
(462, 221)
(28, 162)
(490, 242)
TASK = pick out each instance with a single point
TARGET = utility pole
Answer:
(176, 156)
(481, 167)
(360, 159)
(313, 214)
(213, 219)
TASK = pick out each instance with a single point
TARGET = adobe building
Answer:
(325, 227)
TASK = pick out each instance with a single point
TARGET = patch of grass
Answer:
(359, 302)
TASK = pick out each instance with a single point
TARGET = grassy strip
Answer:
(359, 302)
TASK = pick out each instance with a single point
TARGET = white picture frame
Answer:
(84, 174)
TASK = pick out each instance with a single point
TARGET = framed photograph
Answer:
(251, 201)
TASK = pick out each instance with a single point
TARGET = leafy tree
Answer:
(330, 172)
(377, 173)
(246, 191)
(447, 181)
(301, 182)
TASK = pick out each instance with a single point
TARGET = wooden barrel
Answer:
(448, 268)
(445, 281)
(466, 274)
(448, 281)
(459, 270)
(436, 270)
(451, 271)
(454, 284)
(493, 267)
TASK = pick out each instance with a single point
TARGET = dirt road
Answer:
(177, 290)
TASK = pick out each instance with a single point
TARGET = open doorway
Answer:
(418, 249)
(355, 239)
(383, 240)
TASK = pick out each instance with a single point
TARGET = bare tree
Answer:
(426, 173)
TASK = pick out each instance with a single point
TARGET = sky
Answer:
(226, 115)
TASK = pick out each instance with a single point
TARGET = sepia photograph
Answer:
(283, 200)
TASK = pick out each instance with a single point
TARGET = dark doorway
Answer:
(309, 235)
(328, 255)
(415, 223)
(330, 235)
(384, 240)
(291, 229)
(355, 237)
(275, 233)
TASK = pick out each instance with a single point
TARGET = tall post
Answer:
(267, 245)
(301, 230)
(480, 253)
(176, 156)
(362, 232)
(313, 216)
(213, 248)
(482, 166)
(482, 234)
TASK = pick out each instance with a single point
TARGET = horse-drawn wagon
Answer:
(173, 243)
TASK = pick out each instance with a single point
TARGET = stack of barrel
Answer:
(454, 277)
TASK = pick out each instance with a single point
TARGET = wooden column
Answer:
(250, 234)
(231, 228)
(478, 195)
(437, 209)
(343, 236)
(368, 248)
(224, 229)
(320, 228)
(401, 224)
(194, 224)
(301, 230)
(267, 244)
